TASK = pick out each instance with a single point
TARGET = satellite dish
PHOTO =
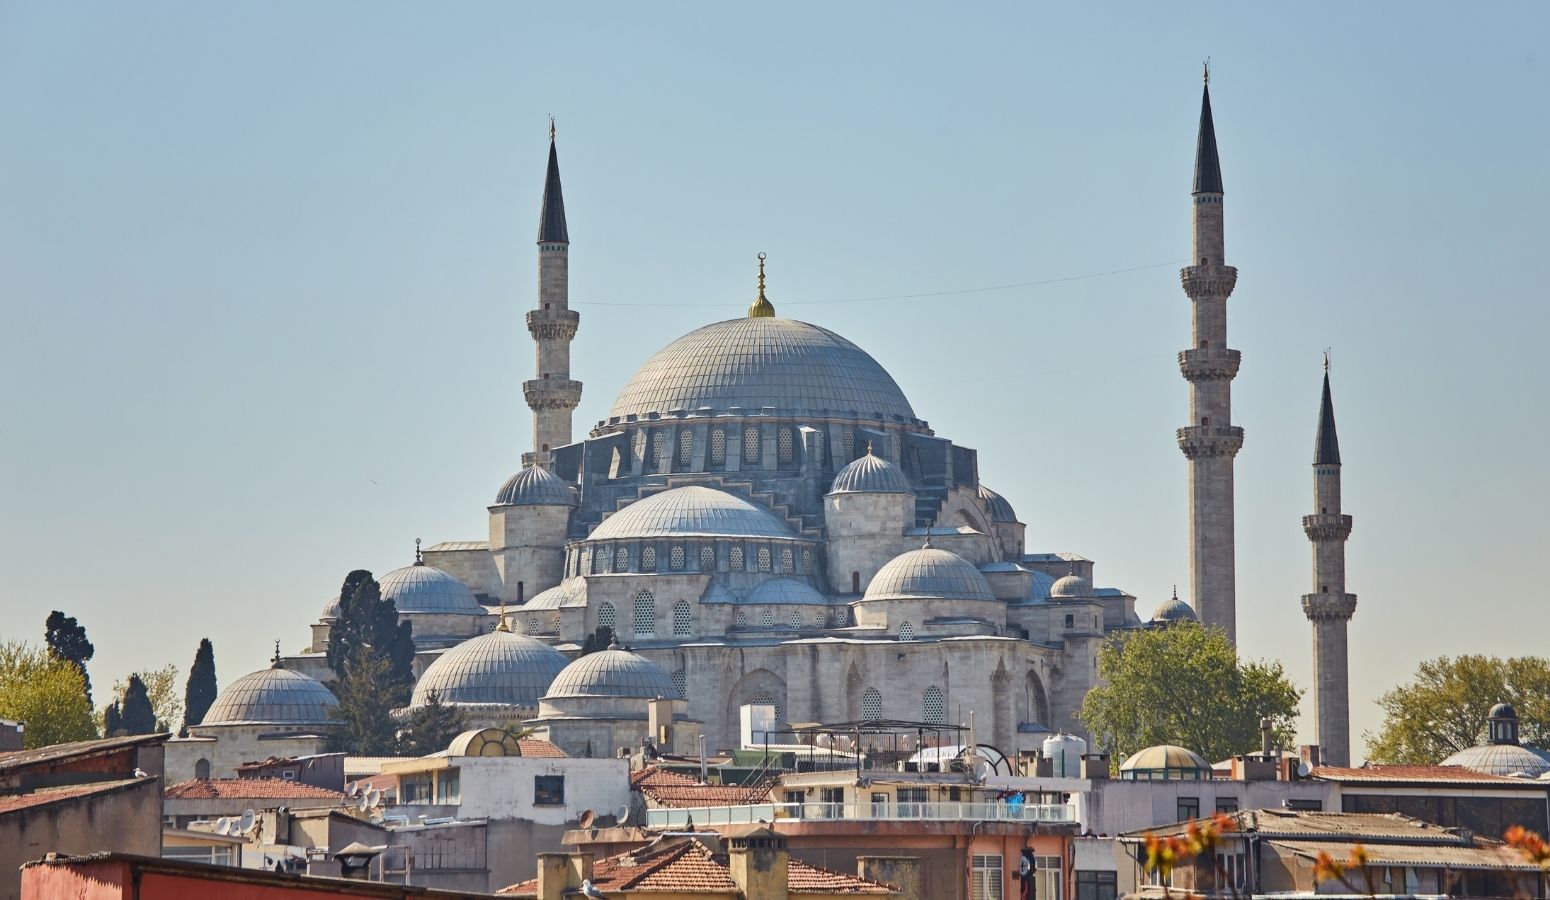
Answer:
(353, 790)
(1303, 769)
(248, 820)
(363, 803)
(223, 825)
(587, 818)
(983, 770)
(373, 797)
(623, 815)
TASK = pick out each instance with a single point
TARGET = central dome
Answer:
(762, 362)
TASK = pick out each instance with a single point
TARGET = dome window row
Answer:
(671, 449)
(822, 618)
(602, 561)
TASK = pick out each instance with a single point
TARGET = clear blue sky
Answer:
(264, 267)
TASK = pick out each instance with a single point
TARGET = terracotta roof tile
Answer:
(540, 749)
(248, 788)
(676, 791)
(1414, 773)
(10, 803)
(806, 878)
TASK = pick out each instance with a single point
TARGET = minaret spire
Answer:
(1329, 608)
(552, 395)
(1210, 441)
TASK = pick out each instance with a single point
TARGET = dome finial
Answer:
(275, 660)
(500, 622)
(1205, 72)
(1175, 592)
(551, 129)
(868, 448)
(927, 544)
(761, 308)
(613, 642)
(418, 559)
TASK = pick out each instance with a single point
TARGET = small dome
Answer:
(928, 573)
(778, 591)
(331, 611)
(570, 592)
(1502, 759)
(1174, 610)
(613, 673)
(870, 475)
(534, 486)
(1071, 587)
(426, 589)
(496, 667)
(1000, 509)
(691, 511)
(1039, 586)
(1165, 762)
(1502, 711)
(272, 697)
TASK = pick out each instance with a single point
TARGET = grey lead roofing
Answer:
(534, 486)
(551, 218)
(870, 474)
(1326, 446)
(272, 697)
(691, 510)
(1208, 169)
(928, 573)
(494, 667)
(613, 673)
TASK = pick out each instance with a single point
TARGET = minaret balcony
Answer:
(1209, 365)
(553, 324)
(1199, 441)
(1338, 607)
(1326, 527)
(552, 393)
(1203, 282)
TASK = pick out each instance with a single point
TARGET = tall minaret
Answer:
(552, 396)
(1210, 440)
(1329, 607)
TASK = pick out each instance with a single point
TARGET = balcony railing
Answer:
(871, 812)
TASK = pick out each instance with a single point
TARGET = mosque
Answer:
(762, 517)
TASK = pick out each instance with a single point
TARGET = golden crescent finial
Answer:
(1326, 360)
(551, 129)
(761, 308)
(1205, 69)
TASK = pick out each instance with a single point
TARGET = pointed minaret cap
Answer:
(761, 308)
(1208, 168)
(551, 219)
(1326, 445)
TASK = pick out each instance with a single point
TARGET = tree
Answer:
(139, 715)
(201, 688)
(599, 639)
(66, 640)
(366, 621)
(366, 695)
(430, 727)
(1443, 709)
(161, 689)
(112, 721)
(1184, 684)
(47, 693)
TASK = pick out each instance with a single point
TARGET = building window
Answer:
(985, 878)
(742, 618)
(787, 560)
(737, 558)
(906, 632)
(548, 790)
(681, 682)
(751, 445)
(415, 789)
(675, 558)
(202, 770)
(783, 447)
(1189, 808)
(818, 617)
(848, 444)
(796, 618)
(605, 615)
(767, 700)
(933, 706)
(767, 617)
(807, 562)
(448, 787)
(682, 619)
(685, 447)
(1070, 620)
(648, 559)
(598, 560)
(764, 559)
(1226, 804)
(659, 450)
(718, 447)
(871, 704)
(622, 561)
(645, 614)
(1096, 886)
(707, 558)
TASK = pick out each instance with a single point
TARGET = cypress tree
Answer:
(139, 716)
(66, 640)
(201, 689)
(112, 721)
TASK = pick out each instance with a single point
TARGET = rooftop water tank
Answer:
(1066, 752)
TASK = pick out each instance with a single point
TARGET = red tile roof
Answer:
(540, 749)
(675, 791)
(248, 788)
(10, 803)
(1432, 774)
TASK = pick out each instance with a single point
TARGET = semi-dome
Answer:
(272, 697)
(870, 475)
(426, 589)
(495, 667)
(753, 363)
(691, 511)
(1502, 759)
(1000, 509)
(613, 673)
(779, 591)
(928, 573)
(1174, 610)
(1165, 762)
(570, 592)
(534, 486)
(1071, 587)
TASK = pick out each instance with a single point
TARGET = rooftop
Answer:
(1374, 774)
(1369, 828)
(676, 791)
(18, 759)
(248, 789)
(10, 803)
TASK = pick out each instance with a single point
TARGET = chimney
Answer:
(659, 720)
(1266, 737)
(556, 875)
(1309, 754)
(902, 873)
(757, 862)
(1095, 766)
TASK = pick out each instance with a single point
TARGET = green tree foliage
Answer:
(430, 727)
(363, 724)
(1185, 685)
(139, 716)
(368, 622)
(161, 688)
(1443, 709)
(66, 640)
(112, 720)
(597, 640)
(47, 693)
(200, 691)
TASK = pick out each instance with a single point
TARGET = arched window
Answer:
(622, 559)
(796, 618)
(819, 617)
(751, 446)
(659, 449)
(767, 617)
(906, 632)
(871, 704)
(648, 559)
(682, 619)
(933, 706)
(786, 565)
(605, 615)
(1035, 704)
(532, 624)
(202, 770)
(855, 582)
(707, 558)
(742, 618)
(595, 561)
(737, 558)
(675, 558)
(645, 614)
(764, 559)
(784, 442)
(718, 447)
(807, 562)
(685, 446)
(681, 682)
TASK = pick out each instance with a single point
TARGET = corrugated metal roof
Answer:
(1421, 775)
(1485, 856)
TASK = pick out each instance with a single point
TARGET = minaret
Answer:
(552, 396)
(1329, 607)
(1210, 440)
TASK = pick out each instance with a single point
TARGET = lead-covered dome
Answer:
(691, 511)
(1502, 759)
(1000, 509)
(753, 363)
(1071, 587)
(613, 673)
(1174, 610)
(496, 667)
(870, 475)
(272, 697)
(426, 589)
(534, 486)
(928, 573)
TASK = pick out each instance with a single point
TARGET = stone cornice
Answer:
(1197, 441)
(1325, 607)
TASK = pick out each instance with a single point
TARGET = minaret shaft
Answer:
(1328, 607)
